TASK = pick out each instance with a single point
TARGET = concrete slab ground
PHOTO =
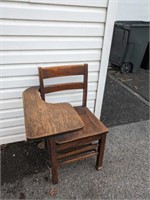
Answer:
(125, 173)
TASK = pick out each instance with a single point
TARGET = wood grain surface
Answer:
(45, 119)
(92, 127)
(61, 71)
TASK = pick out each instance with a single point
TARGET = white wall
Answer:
(133, 10)
(48, 33)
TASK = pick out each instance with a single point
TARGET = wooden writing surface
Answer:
(46, 119)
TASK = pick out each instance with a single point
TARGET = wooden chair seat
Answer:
(92, 126)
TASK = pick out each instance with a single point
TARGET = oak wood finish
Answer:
(43, 119)
(100, 152)
(78, 158)
(64, 86)
(78, 150)
(71, 146)
(72, 70)
(53, 155)
(77, 143)
(92, 126)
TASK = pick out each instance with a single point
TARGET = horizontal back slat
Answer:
(61, 71)
(51, 72)
(66, 86)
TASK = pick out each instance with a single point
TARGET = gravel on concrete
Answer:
(125, 173)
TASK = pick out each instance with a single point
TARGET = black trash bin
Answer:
(129, 43)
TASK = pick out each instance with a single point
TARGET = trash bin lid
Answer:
(129, 24)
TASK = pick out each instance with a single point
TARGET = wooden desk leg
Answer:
(53, 155)
(101, 152)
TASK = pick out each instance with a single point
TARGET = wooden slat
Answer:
(51, 72)
(65, 86)
(75, 143)
(78, 151)
(78, 158)
(61, 71)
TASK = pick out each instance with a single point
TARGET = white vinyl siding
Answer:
(46, 33)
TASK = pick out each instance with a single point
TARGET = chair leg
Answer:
(53, 155)
(101, 152)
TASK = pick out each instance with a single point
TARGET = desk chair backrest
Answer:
(60, 71)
